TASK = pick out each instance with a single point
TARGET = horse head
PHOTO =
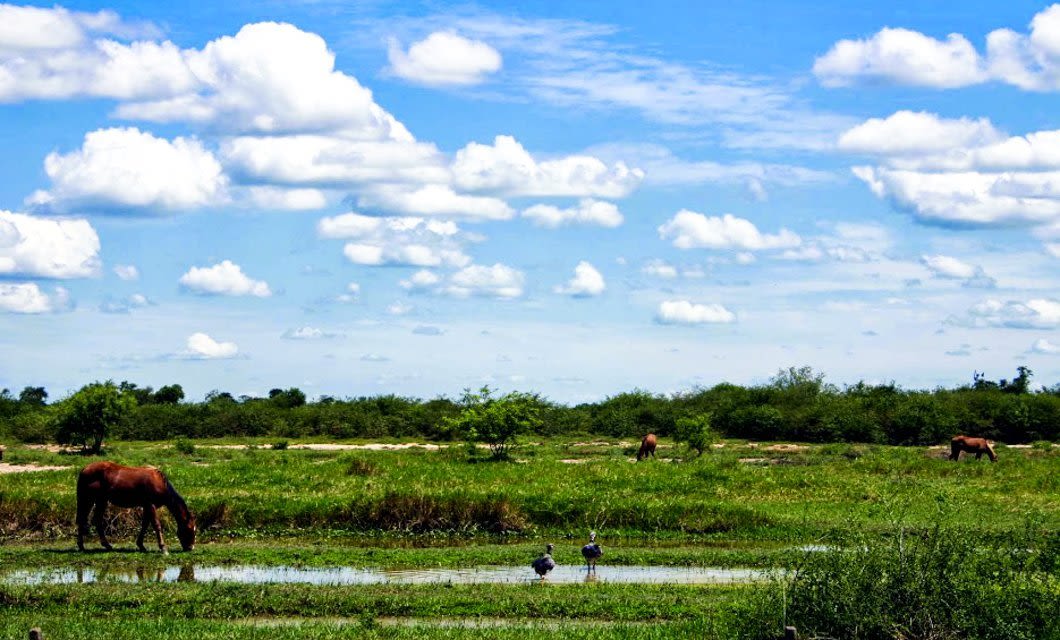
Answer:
(186, 532)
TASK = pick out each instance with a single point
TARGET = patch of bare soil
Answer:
(50, 448)
(765, 461)
(27, 468)
(574, 461)
(785, 447)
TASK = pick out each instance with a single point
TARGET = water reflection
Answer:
(564, 574)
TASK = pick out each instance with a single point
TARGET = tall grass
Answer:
(939, 583)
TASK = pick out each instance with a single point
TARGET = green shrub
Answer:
(695, 432)
(184, 446)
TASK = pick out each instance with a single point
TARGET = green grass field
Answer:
(739, 506)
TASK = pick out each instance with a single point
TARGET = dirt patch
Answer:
(27, 468)
(50, 448)
(785, 447)
(574, 461)
(331, 446)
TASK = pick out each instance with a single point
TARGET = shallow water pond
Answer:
(642, 574)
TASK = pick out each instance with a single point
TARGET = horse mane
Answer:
(175, 500)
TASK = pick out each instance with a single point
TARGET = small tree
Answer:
(91, 413)
(497, 422)
(694, 431)
(33, 396)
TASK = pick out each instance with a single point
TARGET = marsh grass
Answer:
(794, 495)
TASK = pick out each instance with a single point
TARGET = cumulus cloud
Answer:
(47, 248)
(127, 272)
(28, 298)
(331, 161)
(1043, 346)
(307, 333)
(443, 58)
(692, 230)
(434, 200)
(422, 280)
(949, 267)
(497, 281)
(397, 240)
(659, 268)
(901, 56)
(203, 347)
(587, 212)
(1037, 313)
(507, 168)
(398, 309)
(586, 283)
(225, 278)
(124, 305)
(1029, 61)
(685, 312)
(916, 132)
(126, 168)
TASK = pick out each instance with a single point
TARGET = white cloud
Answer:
(398, 309)
(916, 132)
(659, 268)
(397, 240)
(685, 312)
(434, 200)
(421, 280)
(901, 56)
(444, 58)
(225, 278)
(47, 248)
(331, 161)
(588, 212)
(268, 197)
(271, 78)
(307, 333)
(1037, 313)
(968, 197)
(692, 230)
(1043, 346)
(1053, 249)
(507, 168)
(202, 346)
(28, 298)
(586, 283)
(127, 271)
(125, 305)
(497, 281)
(948, 267)
(133, 170)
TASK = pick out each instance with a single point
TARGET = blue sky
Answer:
(579, 201)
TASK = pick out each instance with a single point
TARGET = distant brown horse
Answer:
(647, 447)
(978, 446)
(130, 487)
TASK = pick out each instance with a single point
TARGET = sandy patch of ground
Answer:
(785, 447)
(326, 446)
(763, 461)
(574, 461)
(51, 448)
(26, 468)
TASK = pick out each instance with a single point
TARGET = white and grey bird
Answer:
(591, 552)
(545, 563)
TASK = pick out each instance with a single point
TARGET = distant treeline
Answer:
(796, 404)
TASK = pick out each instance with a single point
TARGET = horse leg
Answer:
(84, 507)
(97, 519)
(978, 455)
(145, 521)
(158, 530)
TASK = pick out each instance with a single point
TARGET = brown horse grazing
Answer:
(647, 447)
(978, 446)
(130, 487)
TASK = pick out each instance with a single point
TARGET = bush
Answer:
(694, 432)
(938, 583)
(497, 422)
(91, 413)
(184, 446)
(280, 445)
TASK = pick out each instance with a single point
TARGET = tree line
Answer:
(796, 404)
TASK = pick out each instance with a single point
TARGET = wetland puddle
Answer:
(336, 576)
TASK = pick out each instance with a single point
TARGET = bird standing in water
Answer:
(591, 552)
(545, 563)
